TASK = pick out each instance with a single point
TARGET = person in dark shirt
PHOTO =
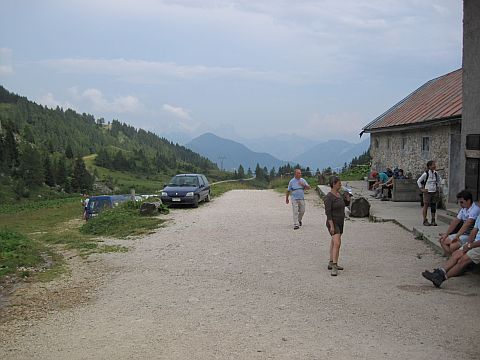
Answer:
(335, 211)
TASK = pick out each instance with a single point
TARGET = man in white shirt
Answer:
(429, 184)
(461, 258)
(467, 215)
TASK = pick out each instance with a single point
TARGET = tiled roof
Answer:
(438, 99)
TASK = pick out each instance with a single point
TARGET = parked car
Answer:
(97, 204)
(186, 189)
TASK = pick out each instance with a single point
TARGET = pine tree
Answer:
(31, 167)
(61, 172)
(82, 181)
(69, 152)
(48, 172)
(241, 172)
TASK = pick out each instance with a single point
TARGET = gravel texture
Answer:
(233, 280)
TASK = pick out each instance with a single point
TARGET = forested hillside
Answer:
(42, 147)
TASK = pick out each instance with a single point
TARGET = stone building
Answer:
(426, 125)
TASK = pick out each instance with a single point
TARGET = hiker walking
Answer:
(296, 188)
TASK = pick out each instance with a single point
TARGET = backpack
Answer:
(424, 182)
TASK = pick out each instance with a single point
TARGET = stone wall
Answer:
(406, 150)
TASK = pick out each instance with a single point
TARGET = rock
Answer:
(359, 207)
(150, 208)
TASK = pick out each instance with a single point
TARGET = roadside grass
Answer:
(33, 235)
(221, 188)
(17, 250)
(121, 222)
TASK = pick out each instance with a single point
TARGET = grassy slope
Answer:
(125, 180)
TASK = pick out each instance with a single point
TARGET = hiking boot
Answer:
(440, 273)
(433, 223)
(330, 263)
(426, 223)
(334, 270)
(296, 227)
(300, 223)
(434, 277)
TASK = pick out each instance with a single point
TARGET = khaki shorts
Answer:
(474, 255)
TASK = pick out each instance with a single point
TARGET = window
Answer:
(404, 143)
(388, 143)
(425, 144)
(376, 143)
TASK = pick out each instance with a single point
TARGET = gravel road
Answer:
(233, 280)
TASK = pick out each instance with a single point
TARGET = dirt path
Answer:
(232, 280)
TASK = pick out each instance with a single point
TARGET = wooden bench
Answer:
(405, 190)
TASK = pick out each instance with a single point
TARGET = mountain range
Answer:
(229, 154)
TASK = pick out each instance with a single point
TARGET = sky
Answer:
(321, 69)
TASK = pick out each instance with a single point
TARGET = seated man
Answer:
(461, 258)
(460, 227)
(400, 175)
(383, 182)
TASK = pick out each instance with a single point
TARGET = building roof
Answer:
(438, 99)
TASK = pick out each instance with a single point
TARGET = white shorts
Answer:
(463, 238)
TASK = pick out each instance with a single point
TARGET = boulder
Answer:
(359, 207)
(150, 208)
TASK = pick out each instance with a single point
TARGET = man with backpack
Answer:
(429, 184)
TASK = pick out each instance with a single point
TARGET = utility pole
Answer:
(221, 158)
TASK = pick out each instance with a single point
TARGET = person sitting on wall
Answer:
(461, 258)
(460, 227)
(383, 182)
(400, 174)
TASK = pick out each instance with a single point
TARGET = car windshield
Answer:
(98, 205)
(184, 181)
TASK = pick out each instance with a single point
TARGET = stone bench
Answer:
(405, 190)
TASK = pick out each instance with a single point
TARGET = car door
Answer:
(201, 185)
(207, 185)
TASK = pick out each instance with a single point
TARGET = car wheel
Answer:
(207, 198)
(195, 201)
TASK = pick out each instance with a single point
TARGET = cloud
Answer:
(344, 125)
(50, 101)
(138, 71)
(177, 111)
(98, 102)
(182, 120)
(94, 100)
(6, 66)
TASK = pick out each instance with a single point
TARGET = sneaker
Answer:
(296, 227)
(433, 223)
(434, 277)
(426, 223)
(330, 263)
(300, 223)
(334, 270)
